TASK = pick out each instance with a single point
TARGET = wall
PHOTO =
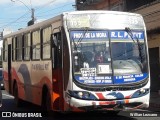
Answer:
(102, 5)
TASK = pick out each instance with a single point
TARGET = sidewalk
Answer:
(154, 104)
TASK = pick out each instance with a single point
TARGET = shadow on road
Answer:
(91, 116)
(9, 106)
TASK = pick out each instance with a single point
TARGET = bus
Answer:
(80, 61)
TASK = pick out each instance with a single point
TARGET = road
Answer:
(9, 106)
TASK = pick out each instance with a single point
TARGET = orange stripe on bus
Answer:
(126, 100)
(55, 96)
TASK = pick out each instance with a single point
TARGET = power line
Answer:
(4, 26)
(43, 6)
(11, 19)
(55, 8)
(54, 13)
(17, 21)
(31, 3)
(39, 8)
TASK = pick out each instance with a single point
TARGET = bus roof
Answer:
(59, 17)
(102, 19)
(103, 12)
(39, 25)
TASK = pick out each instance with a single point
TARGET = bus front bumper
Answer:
(124, 104)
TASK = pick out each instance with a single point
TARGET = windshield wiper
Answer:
(76, 45)
(129, 31)
(81, 38)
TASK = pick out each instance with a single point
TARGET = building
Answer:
(4, 32)
(150, 10)
(99, 4)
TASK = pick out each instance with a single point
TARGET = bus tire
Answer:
(46, 100)
(17, 100)
(46, 103)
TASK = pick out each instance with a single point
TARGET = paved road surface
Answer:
(9, 106)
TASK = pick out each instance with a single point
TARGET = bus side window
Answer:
(56, 53)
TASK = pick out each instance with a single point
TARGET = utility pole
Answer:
(32, 10)
(32, 16)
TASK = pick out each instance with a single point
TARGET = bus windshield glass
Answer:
(108, 57)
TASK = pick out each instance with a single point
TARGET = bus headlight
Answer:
(82, 95)
(142, 90)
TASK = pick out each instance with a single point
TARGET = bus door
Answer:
(57, 71)
(9, 67)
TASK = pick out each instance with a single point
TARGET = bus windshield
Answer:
(108, 57)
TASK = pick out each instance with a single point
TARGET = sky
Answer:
(15, 15)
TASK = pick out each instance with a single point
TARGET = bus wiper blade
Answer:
(80, 39)
(75, 46)
(129, 31)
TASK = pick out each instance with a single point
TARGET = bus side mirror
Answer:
(54, 39)
(56, 50)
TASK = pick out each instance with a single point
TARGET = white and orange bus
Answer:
(80, 61)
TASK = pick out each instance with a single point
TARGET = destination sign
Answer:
(125, 35)
(104, 20)
(97, 35)
(95, 80)
(89, 34)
